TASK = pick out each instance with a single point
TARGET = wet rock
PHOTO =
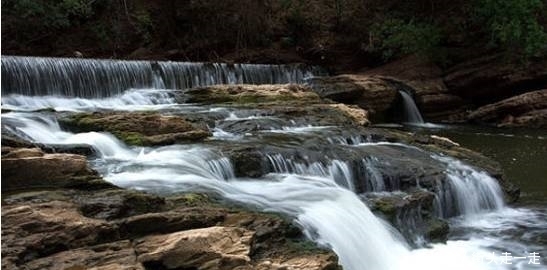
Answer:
(326, 114)
(34, 231)
(210, 248)
(368, 92)
(412, 213)
(27, 168)
(268, 228)
(13, 141)
(248, 94)
(9, 140)
(137, 128)
(529, 109)
(78, 149)
(437, 230)
(252, 125)
(247, 162)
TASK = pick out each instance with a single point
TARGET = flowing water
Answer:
(411, 112)
(318, 187)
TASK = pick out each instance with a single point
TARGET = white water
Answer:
(470, 192)
(336, 170)
(96, 78)
(411, 110)
(329, 214)
(134, 99)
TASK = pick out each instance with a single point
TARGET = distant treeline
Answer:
(318, 31)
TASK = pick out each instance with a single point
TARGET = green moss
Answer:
(132, 138)
(191, 200)
(82, 122)
(386, 207)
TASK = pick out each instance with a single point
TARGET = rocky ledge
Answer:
(51, 222)
(487, 90)
(529, 110)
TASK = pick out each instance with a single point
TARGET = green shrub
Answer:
(513, 25)
(395, 37)
(143, 24)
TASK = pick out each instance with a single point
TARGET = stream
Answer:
(320, 190)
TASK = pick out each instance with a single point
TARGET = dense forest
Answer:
(341, 34)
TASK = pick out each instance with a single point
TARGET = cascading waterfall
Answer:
(336, 170)
(93, 78)
(328, 213)
(411, 111)
(320, 195)
(468, 191)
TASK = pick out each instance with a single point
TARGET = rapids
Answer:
(319, 195)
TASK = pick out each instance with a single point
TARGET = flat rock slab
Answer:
(245, 93)
(207, 248)
(27, 168)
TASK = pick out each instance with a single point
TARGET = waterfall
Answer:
(319, 195)
(94, 78)
(467, 191)
(337, 170)
(411, 112)
(328, 213)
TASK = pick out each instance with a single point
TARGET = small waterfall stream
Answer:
(320, 195)
(411, 111)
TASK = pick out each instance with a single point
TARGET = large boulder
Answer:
(529, 109)
(137, 128)
(490, 79)
(371, 93)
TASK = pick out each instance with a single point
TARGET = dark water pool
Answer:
(521, 152)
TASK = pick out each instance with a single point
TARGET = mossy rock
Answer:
(437, 230)
(190, 200)
(137, 128)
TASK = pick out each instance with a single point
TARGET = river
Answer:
(319, 196)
